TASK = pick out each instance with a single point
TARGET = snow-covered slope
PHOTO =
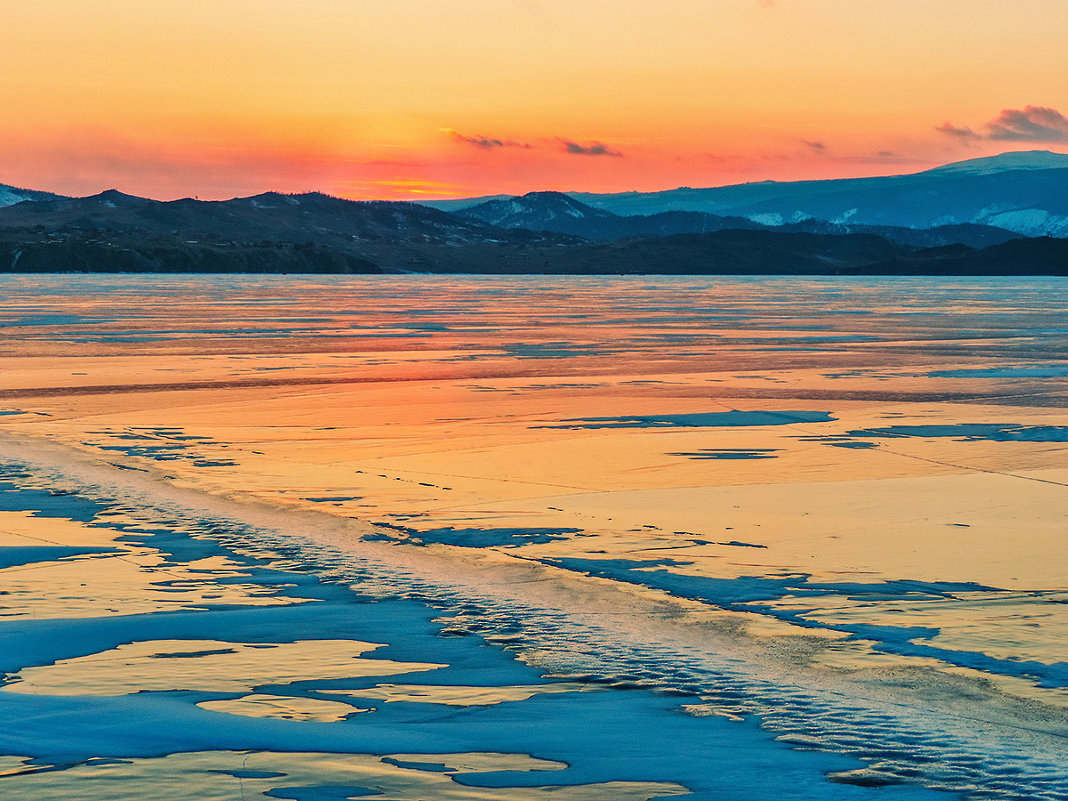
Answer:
(537, 211)
(1025, 192)
(1018, 160)
(10, 195)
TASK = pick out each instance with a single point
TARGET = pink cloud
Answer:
(1029, 124)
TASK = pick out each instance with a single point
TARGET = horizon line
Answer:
(491, 195)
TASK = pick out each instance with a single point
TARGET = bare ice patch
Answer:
(698, 420)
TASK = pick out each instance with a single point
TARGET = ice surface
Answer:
(700, 420)
(105, 698)
(470, 538)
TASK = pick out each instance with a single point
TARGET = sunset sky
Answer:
(433, 98)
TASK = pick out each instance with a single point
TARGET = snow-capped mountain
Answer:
(539, 211)
(560, 213)
(941, 221)
(1025, 192)
(1004, 162)
(315, 233)
(10, 195)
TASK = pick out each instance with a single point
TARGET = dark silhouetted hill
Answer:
(315, 233)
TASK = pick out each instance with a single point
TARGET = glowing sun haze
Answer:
(426, 98)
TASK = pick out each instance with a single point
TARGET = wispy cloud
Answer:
(483, 142)
(961, 133)
(590, 149)
(1029, 124)
(818, 147)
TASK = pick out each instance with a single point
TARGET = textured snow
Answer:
(1017, 160)
(770, 219)
(1032, 222)
(10, 196)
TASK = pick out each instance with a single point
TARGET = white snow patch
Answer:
(766, 219)
(945, 219)
(1017, 160)
(1034, 222)
(9, 197)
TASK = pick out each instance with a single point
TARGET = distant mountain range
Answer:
(896, 225)
(1023, 192)
(561, 213)
(308, 233)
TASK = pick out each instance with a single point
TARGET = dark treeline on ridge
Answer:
(556, 233)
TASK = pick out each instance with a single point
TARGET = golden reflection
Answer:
(283, 707)
(449, 410)
(123, 580)
(207, 665)
(453, 695)
(240, 776)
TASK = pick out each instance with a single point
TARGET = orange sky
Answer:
(436, 98)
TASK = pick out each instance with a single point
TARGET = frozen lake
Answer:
(492, 538)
